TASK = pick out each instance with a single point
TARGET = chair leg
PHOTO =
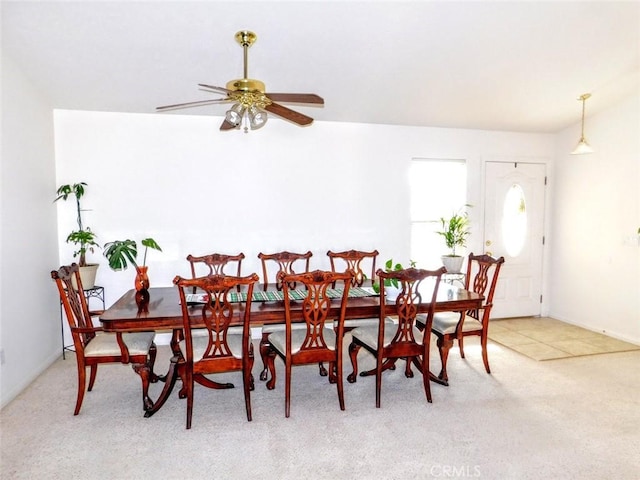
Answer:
(339, 382)
(271, 365)
(189, 388)
(353, 355)
(485, 356)
(287, 390)
(444, 345)
(461, 345)
(333, 377)
(92, 376)
(407, 369)
(144, 371)
(153, 351)
(82, 377)
(247, 381)
(264, 352)
(321, 370)
(378, 380)
(426, 372)
(251, 362)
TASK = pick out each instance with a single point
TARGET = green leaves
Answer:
(455, 230)
(120, 253)
(149, 243)
(86, 240)
(65, 190)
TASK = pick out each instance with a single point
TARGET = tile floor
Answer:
(543, 338)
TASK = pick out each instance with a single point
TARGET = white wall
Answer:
(198, 190)
(594, 249)
(29, 308)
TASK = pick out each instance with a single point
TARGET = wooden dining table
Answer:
(158, 309)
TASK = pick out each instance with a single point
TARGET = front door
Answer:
(514, 229)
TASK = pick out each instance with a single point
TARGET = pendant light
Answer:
(583, 146)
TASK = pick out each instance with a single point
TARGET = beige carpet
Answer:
(528, 420)
(543, 338)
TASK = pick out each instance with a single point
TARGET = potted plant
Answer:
(455, 231)
(391, 285)
(120, 253)
(83, 237)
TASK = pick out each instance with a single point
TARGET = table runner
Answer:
(274, 296)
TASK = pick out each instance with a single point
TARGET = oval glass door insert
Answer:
(514, 220)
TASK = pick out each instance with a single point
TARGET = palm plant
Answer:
(455, 230)
(83, 237)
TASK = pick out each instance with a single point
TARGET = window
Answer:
(438, 188)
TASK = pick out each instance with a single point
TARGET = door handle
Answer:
(488, 243)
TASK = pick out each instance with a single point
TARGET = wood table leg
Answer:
(170, 382)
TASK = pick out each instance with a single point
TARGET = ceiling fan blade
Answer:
(214, 88)
(288, 114)
(192, 104)
(296, 98)
(227, 126)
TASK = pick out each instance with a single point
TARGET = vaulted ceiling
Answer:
(515, 66)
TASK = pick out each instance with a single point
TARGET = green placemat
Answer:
(275, 296)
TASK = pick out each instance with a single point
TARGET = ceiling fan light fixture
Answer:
(583, 146)
(257, 117)
(234, 114)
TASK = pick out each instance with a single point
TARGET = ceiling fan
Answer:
(250, 101)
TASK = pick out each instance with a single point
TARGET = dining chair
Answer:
(285, 262)
(214, 264)
(394, 339)
(224, 348)
(353, 260)
(317, 341)
(93, 346)
(481, 277)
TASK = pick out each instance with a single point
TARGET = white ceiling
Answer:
(515, 66)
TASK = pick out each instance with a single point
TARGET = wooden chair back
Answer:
(215, 263)
(353, 259)
(75, 305)
(412, 284)
(482, 277)
(285, 261)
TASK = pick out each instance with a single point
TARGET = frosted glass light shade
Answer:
(582, 148)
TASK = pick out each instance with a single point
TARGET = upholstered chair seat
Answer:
(278, 339)
(369, 335)
(106, 344)
(445, 323)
